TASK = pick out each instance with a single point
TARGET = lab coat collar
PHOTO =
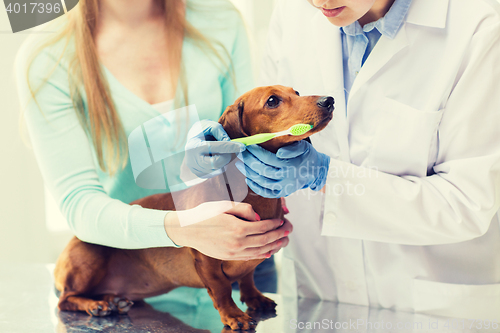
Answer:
(429, 13)
(382, 53)
(388, 25)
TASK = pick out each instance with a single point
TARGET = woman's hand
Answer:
(204, 156)
(237, 234)
(292, 168)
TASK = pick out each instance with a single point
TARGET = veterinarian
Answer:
(409, 215)
(108, 69)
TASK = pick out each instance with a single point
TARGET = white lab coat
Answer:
(409, 220)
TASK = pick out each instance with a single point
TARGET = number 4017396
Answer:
(470, 324)
(34, 7)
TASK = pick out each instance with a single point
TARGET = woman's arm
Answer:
(66, 161)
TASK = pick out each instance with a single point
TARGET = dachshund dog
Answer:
(100, 280)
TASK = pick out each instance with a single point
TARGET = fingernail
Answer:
(257, 217)
(268, 255)
(286, 233)
(282, 223)
(285, 210)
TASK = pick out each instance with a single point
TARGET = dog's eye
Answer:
(297, 93)
(273, 102)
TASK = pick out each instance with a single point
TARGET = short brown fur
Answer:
(101, 280)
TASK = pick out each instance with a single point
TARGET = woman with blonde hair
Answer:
(111, 67)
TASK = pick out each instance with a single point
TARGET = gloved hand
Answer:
(292, 168)
(205, 156)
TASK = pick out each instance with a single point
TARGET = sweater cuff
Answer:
(151, 230)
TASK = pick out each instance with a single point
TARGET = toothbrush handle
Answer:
(255, 139)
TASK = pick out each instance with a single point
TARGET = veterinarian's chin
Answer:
(343, 13)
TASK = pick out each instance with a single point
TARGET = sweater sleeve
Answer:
(66, 161)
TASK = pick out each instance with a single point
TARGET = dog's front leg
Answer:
(252, 296)
(219, 289)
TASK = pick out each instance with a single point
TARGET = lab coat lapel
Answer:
(387, 48)
(328, 43)
(383, 51)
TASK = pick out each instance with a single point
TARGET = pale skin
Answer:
(363, 11)
(131, 44)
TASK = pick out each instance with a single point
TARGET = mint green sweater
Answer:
(95, 204)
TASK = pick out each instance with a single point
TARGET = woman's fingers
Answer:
(260, 227)
(234, 232)
(244, 211)
(267, 250)
(267, 237)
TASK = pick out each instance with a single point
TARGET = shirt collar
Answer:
(388, 25)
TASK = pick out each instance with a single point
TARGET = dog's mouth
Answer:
(322, 123)
(327, 119)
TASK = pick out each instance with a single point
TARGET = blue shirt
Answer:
(358, 42)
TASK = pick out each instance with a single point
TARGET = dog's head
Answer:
(275, 109)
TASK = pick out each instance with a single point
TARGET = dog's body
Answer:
(99, 279)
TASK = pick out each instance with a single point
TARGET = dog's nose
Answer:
(326, 103)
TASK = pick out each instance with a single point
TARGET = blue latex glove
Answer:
(292, 168)
(209, 149)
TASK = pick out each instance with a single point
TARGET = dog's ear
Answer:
(232, 120)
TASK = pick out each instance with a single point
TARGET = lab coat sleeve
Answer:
(65, 158)
(456, 203)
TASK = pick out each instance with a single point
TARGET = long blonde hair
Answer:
(103, 123)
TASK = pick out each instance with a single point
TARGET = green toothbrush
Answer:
(295, 130)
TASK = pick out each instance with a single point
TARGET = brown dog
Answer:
(99, 279)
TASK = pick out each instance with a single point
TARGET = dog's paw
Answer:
(99, 309)
(239, 322)
(116, 303)
(260, 302)
(124, 305)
